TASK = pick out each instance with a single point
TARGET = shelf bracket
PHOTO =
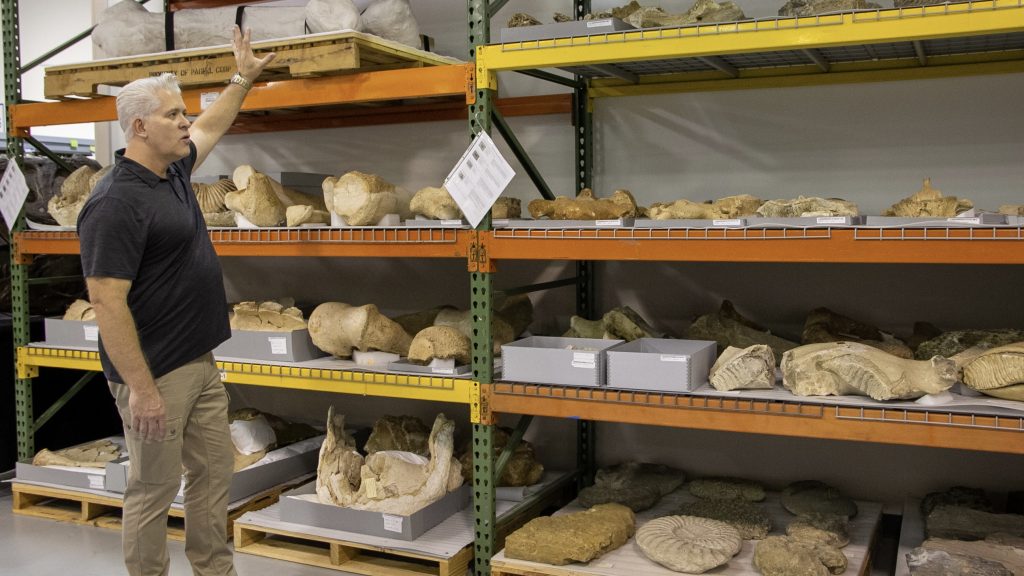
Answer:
(719, 63)
(818, 58)
(63, 400)
(479, 261)
(26, 371)
(480, 405)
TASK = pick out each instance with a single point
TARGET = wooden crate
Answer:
(95, 509)
(312, 55)
(344, 555)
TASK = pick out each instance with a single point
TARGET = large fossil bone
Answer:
(243, 175)
(301, 214)
(523, 468)
(80, 310)
(586, 207)
(739, 206)
(747, 368)
(435, 203)
(575, 537)
(998, 372)
(806, 207)
(267, 316)
(211, 196)
(688, 544)
(728, 327)
(815, 7)
(94, 454)
(622, 323)
(257, 202)
(506, 207)
(402, 433)
(74, 191)
(850, 368)
(462, 320)
(440, 343)
(927, 202)
(363, 199)
(337, 470)
(823, 325)
(338, 328)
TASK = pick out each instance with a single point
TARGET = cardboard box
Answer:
(86, 478)
(659, 364)
(244, 483)
(411, 527)
(71, 333)
(554, 360)
(294, 346)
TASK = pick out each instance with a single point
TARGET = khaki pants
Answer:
(198, 439)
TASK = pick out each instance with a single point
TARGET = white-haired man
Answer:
(156, 286)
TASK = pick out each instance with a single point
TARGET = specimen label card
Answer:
(478, 178)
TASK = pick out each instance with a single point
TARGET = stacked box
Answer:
(554, 360)
(71, 333)
(294, 346)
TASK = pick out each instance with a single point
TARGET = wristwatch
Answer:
(241, 81)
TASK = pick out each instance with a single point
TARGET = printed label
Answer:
(451, 222)
(92, 333)
(599, 23)
(278, 345)
(674, 358)
(206, 99)
(442, 370)
(732, 222)
(608, 222)
(96, 482)
(965, 220)
(392, 523)
(831, 220)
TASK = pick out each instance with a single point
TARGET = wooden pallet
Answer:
(302, 56)
(345, 556)
(94, 509)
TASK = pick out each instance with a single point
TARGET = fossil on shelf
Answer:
(927, 202)
(586, 207)
(337, 328)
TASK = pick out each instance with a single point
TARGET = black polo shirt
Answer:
(150, 230)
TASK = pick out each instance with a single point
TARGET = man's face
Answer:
(166, 129)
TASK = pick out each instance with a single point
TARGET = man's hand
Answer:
(149, 418)
(249, 66)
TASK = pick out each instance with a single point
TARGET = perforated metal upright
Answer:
(19, 270)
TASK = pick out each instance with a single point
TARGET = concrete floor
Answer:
(38, 546)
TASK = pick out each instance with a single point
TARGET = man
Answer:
(156, 286)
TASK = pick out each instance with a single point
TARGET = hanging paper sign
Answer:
(479, 178)
(13, 192)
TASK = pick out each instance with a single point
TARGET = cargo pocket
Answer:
(157, 462)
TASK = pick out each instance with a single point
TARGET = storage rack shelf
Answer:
(455, 390)
(937, 429)
(983, 37)
(396, 242)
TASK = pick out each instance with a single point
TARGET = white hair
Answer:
(140, 98)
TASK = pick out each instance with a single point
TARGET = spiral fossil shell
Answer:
(687, 543)
(211, 196)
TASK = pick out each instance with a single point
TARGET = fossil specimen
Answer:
(994, 556)
(257, 201)
(224, 219)
(823, 325)
(728, 328)
(688, 543)
(849, 368)
(337, 470)
(435, 203)
(439, 342)
(363, 199)
(948, 344)
(300, 214)
(586, 207)
(727, 489)
(80, 310)
(815, 7)
(522, 469)
(267, 316)
(211, 196)
(634, 484)
(807, 497)
(337, 328)
(965, 496)
(802, 206)
(998, 372)
(417, 321)
(622, 323)
(1012, 209)
(95, 178)
(702, 11)
(749, 519)
(521, 19)
(404, 433)
(462, 320)
(912, 3)
(94, 454)
(575, 537)
(243, 175)
(74, 191)
(962, 523)
(929, 202)
(516, 311)
(748, 368)
(506, 207)
(785, 556)
(829, 529)
(739, 206)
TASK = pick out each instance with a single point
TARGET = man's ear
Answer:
(140, 127)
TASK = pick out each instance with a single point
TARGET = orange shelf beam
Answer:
(889, 246)
(365, 87)
(354, 243)
(966, 432)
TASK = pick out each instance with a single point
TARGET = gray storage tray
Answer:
(563, 30)
(546, 224)
(553, 360)
(661, 364)
(294, 346)
(983, 220)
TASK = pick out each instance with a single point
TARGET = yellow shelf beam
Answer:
(784, 34)
(455, 390)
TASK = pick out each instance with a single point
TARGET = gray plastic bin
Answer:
(554, 360)
(662, 365)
